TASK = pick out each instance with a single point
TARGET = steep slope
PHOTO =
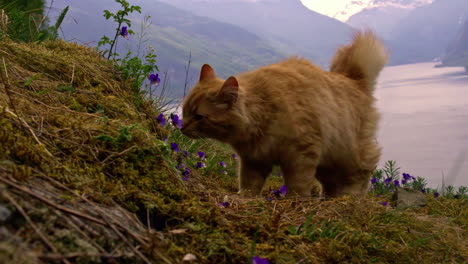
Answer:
(457, 51)
(174, 34)
(381, 19)
(425, 33)
(85, 177)
(289, 24)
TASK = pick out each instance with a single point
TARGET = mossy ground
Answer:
(85, 171)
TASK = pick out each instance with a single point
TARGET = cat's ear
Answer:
(229, 92)
(207, 73)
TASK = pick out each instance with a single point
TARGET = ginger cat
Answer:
(318, 126)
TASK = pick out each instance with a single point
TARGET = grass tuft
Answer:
(95, 174)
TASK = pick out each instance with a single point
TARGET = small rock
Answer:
(178, 231)
(5, 213)
(406, 198)
(189, 258)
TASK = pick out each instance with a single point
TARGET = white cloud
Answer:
(339, 9)
(343, 9)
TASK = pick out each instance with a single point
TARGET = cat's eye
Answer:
(198, 117)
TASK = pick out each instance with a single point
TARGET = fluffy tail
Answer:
(362, 60)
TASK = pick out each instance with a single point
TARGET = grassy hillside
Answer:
(289, 25)
(89, 175)
(174, 33)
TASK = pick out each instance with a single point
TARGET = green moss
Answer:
(92, 136)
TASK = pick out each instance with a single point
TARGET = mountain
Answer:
(289, 25)
(381, 19)
(384, 15)
(425, 32)
(457, 51)
(174, 34)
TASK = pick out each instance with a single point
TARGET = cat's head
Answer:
(213, 108)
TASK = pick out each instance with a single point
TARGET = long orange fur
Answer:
(318, 126)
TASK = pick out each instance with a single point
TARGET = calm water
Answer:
(424, 124)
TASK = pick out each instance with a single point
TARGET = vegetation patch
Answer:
(93, 171)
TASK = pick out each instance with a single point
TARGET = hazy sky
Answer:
(335, 8)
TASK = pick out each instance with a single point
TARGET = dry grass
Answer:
(88, 180)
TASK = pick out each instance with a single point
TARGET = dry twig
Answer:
(25, 124)
(50, 203)
(31, 223)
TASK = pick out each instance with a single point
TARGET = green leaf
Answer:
(43, 92)
(107, 14)
(59, 22)
(31, 79)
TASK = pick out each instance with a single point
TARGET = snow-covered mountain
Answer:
(383, 15)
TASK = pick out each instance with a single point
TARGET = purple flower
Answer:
(396, 182)
(201, 155)
(423, 190)
(259, 260)
(181, 166)
(385, 203)
(224, 172)
(164, 138)
(223, 204)
(436, 194)
(154, 79)
(186, 154)
(373, 180)
(175, 147)
(222, 164)
(124, 32)
(176, 121)
(200, 165)
(407, 177)
(234, 156)
(186, 174)
(161, 119)
(403, 182)
(283, 190)
(388, 180)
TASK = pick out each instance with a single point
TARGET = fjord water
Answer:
(424, 125)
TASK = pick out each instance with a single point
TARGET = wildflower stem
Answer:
(113, 41)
